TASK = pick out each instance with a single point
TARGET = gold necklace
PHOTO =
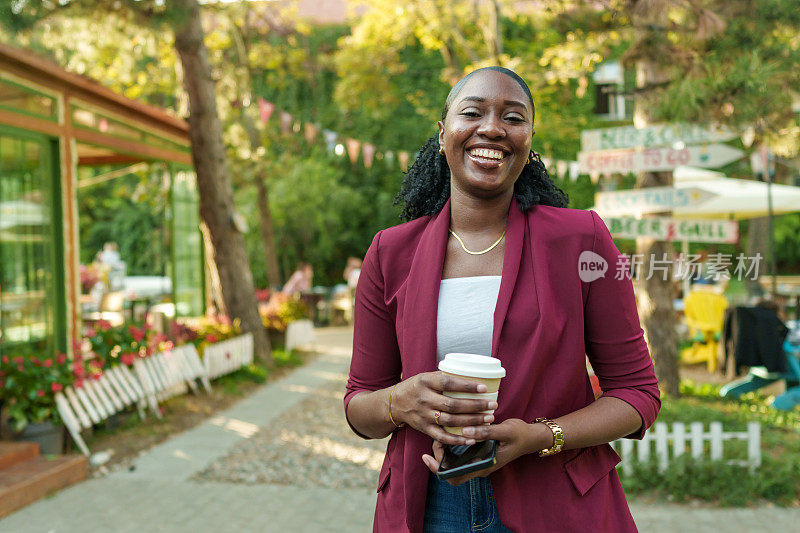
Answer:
(489, 249)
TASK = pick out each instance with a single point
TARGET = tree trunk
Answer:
(656, 310)
(213, 179)
(757, 243)
(265, 215)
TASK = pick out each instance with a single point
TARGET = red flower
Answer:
(96, 364)
(39, 393)
(61, 358)
(48, 363)
(18, 360)
(78, 370)
(104, 325)
(97, 376)
(56, 387)
(78, 384)
(159, 338)
(127, 358)
(136, 333)
(91, 332)
(211, 338)
(20, 368)
(168, 345)
(5, 359)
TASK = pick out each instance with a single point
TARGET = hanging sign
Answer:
(656, 159)
(649, 200)
(670, 229)
(655, 135)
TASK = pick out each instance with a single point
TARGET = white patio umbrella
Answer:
(732, 198)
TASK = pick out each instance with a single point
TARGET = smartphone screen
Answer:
(463, 459)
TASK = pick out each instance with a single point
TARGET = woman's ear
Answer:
(441, 133)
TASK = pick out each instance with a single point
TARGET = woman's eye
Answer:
(515, 118)
(470, 113)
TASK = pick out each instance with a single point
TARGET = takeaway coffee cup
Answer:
(481, 368)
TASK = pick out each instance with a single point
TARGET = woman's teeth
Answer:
(487, 153)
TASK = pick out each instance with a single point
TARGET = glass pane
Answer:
(187, 246)
(18, 98)
(25, 243)
(98, 122)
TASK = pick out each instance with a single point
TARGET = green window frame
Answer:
(26, 101)
(32, 281)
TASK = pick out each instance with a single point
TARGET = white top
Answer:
(465, 320)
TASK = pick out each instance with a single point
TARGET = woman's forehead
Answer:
(492, 85)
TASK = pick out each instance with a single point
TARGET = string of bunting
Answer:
(339, 145)
(333, 141)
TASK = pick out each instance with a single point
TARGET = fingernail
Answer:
(488, 418)
(467, 431)
(470, 442)
(481, 388)
(493, 405)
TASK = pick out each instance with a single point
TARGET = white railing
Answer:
(671, 445)
(150, 381)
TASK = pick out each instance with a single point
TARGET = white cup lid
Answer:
(472, 365)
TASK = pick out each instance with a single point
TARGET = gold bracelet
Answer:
(390, 408)
(558, 437)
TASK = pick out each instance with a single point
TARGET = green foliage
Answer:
(28, 384)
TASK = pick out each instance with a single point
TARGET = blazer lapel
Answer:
(515, 236)
(422, 296)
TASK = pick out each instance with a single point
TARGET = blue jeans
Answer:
(465, 508)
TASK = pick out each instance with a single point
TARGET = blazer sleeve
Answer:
(376, 355)
(614, 338)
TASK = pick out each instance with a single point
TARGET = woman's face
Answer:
(487, 134)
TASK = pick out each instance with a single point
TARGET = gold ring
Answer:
(436, 415)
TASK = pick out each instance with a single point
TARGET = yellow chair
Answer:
(704, 313)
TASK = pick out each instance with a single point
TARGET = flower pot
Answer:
(47, 435)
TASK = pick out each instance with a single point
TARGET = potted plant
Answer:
(28, 384)
(276, 316)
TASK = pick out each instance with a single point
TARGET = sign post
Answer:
(648, 200)
(626, 160)
(650, 136)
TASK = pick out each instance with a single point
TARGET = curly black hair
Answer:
(426, 185)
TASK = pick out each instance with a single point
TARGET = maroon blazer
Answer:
(545, 323)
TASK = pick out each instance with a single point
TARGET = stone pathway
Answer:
(282, 461)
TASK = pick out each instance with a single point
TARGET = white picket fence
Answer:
(228, 356)
(701, 444)
(152, 380)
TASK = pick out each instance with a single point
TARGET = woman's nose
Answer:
(492, 127)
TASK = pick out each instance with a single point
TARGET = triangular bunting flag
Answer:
(310, 132)
(369, 152)
(286, 122)
(353, 147)
(402, 157)
(265, 109)
(330, 139)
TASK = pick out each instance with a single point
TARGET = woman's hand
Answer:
(416, 401)
(514, 437)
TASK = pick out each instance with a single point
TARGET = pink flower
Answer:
(18, 360)
(91, 332)
(61, 358)
(20, 368)
(56, 387)
(48, 363)
(127, 358)
(78, 384)
(136, 333)
(5, 359)
(39, 393)
(104, 325)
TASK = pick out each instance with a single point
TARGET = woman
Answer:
(489, 263)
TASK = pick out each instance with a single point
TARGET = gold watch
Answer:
(558, 437)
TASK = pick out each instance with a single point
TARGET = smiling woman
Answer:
(489, 264)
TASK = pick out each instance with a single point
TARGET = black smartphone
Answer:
(463, 459)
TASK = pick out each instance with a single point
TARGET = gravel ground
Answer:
(309, 446)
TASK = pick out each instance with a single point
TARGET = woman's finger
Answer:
(457, 421)
(445, 382)
(447, 404)
(431, 463)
